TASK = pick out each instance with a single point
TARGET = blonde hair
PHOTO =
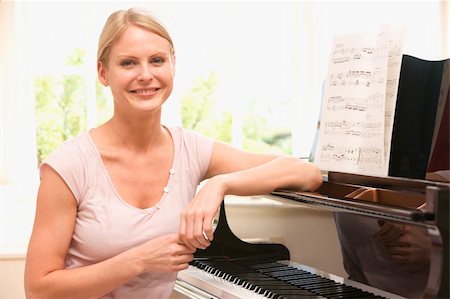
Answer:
(119, 21)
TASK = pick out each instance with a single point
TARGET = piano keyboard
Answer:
(196, 283)
(277, 280)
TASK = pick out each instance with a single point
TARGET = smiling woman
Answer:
(248, 73)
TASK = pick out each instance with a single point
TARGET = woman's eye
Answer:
(127, 63)
(157, 60)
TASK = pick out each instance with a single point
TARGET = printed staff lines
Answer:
(357, 155)
(353, 128)
(342, 54)
(361, 104)
(357, 78)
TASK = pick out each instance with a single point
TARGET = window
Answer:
(255, 68)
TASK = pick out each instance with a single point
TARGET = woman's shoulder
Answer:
(76, 141)
(71, 160)
(69, 150)
(187, 135)
(193, 147)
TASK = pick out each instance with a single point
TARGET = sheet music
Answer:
(359, 103)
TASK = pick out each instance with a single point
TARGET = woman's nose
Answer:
(145, 74)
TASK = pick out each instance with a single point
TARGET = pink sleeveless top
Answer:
(106, 225)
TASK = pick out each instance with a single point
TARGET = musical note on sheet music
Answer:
(351, 128)
(356, 155)
(355, 103)
(359, 96)
(342, 53)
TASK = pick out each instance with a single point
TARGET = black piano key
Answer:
(289, 278)
(342, 291)
(339, 289)
(273, 269)
(277, 287)
(276, 283)
(289, 271)
(265, 292)
(337, 294)
(253, 276)
(301, 273)
(300, 295)
(236, 280)
(355, 296)
(286, 291)
(255, 288)
(282, 273)
(227, 276)
(320, 286)
(307, 281)
(298, 276)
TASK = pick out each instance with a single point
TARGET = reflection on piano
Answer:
(413, 199)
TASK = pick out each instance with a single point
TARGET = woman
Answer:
(117, 211)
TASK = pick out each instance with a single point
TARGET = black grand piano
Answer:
(370, 214)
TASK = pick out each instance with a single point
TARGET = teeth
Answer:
(145, 91)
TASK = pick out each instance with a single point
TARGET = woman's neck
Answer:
(135, 135)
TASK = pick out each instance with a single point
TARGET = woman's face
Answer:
(140, 71)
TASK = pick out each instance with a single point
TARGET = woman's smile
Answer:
(145, 91)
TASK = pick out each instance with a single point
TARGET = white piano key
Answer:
(216, 286)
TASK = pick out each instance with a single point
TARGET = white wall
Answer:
(11, 277)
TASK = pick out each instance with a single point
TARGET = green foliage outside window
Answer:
(60, 108)
(262, 135)
(103, 105)
(199, 114)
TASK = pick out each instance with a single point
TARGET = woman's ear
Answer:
(101, 73)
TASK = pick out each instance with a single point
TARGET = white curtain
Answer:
(17, 126)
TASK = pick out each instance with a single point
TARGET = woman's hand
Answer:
(196, 220)
(167, 253)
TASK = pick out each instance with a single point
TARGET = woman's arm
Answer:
(45, 276)
(245, 173)
(237, 172)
